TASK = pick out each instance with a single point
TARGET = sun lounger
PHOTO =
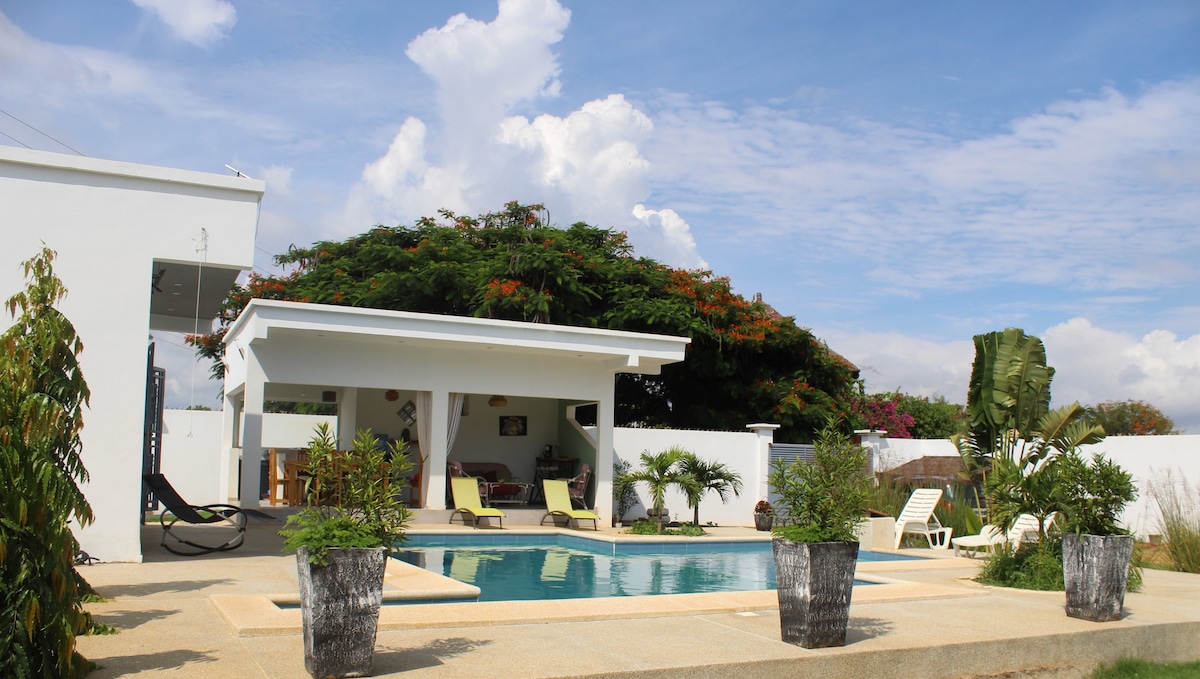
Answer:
(465, 490)
(558, 503)
(177, 511)
(917, 517)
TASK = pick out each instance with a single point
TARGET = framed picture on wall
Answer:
(513, 425)
(407, 413)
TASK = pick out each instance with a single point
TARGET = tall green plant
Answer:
(710, 475)
(42, 396)
(659, 472)
(1009, 388)
(1026, 472)
(824, 500)
(352, 499)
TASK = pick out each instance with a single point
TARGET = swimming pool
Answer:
(517, 567)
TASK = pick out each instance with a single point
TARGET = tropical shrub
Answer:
(1093, 495)
(823, 500)
(710, 475)
(42, 397)
(1130, 418)
(352, 500)
(660, 471)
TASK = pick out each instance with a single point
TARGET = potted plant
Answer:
(352, 520)
(824, 500)
(1096, 550)
(764, 515)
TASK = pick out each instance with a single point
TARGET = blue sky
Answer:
(897, 176)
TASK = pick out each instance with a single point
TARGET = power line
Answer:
(38, 131)
(18, 141)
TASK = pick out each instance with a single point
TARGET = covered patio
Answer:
(470, 390)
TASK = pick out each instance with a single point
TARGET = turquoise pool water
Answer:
(518, 567)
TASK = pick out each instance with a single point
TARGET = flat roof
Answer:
(640, 352)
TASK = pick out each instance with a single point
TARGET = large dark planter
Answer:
(340, 606)
(1096, 571)
(814, 582)
(763, 521)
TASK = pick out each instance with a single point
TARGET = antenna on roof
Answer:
(237, 172)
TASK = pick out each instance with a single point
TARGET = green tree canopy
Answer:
(745, 364)
(1130, 418)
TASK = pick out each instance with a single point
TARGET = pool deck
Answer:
(216, 616)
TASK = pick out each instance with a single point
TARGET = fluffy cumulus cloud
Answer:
(200, 22)
(481, 153)
(1094, 365)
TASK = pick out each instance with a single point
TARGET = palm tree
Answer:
(709, 475)
(660, 471)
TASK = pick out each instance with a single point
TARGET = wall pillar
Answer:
(347, 418)
(434, 441)
(762, 453)
(252, 397)
(873, 441)
(605, 416)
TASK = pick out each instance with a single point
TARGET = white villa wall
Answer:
(739, 450)
(192, 458)
(109, 221)
(1147, 458)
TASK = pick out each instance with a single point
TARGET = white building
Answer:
(465, 378)
(129, 240)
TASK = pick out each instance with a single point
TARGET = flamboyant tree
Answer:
(1130, 418)
(746, 363)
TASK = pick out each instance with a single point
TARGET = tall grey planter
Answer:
(814, 582)
(1095, 572)
(340, 607)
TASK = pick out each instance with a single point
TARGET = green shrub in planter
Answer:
(1096, 550)
(815, 555)
(352, 519)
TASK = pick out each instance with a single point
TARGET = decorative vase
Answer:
(1096, 572)
(763, 521)
(814, 582)
(340, 608)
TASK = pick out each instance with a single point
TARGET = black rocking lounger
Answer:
(176, 510)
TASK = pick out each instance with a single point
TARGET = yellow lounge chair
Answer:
(558, 503)
(466, 501)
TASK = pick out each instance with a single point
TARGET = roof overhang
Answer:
(620, 351)
(186, 296)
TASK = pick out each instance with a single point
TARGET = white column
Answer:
(248, 493)
(347, 418)
(604, 453)
(762, 452)
(434, 441)
(229, 417)
(873, 441)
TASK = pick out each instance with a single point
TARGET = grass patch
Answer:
(1136, 668)
(648, 527)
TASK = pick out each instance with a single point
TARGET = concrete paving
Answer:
(217, 616)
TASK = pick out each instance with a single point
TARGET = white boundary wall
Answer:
(1148, 458)
(745, 453)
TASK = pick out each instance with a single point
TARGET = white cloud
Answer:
(278, 179)
(1093, 365)
(200, 22)
(1096, 193)
(585, 166)
(889, 360)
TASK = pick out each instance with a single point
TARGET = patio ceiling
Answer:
(173, 299)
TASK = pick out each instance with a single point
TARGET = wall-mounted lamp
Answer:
(497, 401)
(391, 395)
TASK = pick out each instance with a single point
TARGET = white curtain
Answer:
(425, 420)
(456, 404)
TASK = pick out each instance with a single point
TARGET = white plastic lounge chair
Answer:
(466, 501)
(990, 536)
(558, 503)
(917, 517)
